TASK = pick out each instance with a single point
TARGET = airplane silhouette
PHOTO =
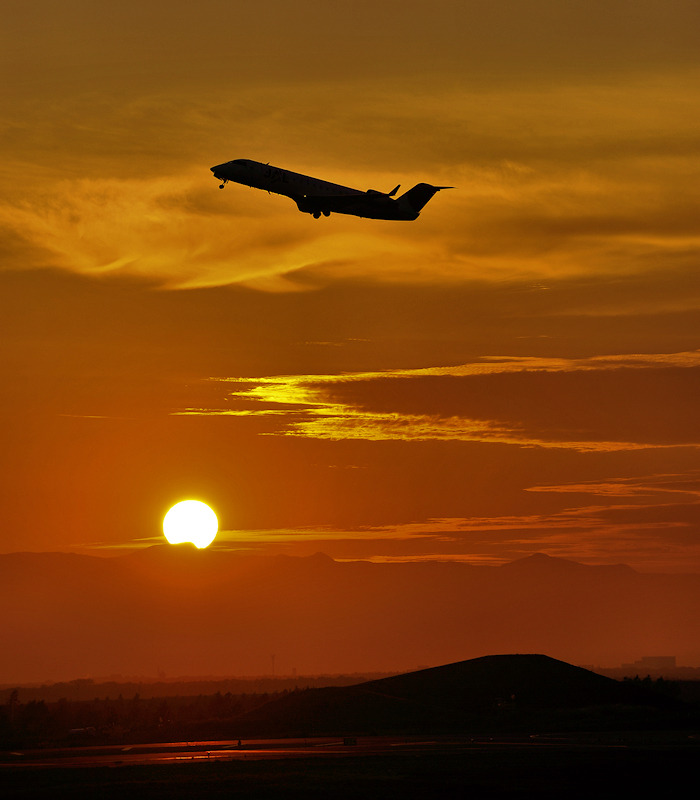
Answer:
(314, 196)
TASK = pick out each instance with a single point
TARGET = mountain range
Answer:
(181, 611)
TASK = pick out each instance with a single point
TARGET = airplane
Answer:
(314, 196)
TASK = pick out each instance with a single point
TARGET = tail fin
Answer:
(421, 193)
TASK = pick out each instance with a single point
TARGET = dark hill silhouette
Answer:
(503, 691)
(529, 680)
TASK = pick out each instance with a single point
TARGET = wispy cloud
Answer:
(553, 182)
(651, 532)
(320, 406)
(676, 485)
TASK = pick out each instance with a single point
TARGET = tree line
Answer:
(37, 723)
(87, 688)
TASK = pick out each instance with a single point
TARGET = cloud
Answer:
(684, 485)
(164, 230)
(505, 397)
(652, 532)
(561, 179)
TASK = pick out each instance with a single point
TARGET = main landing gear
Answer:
(221, 185)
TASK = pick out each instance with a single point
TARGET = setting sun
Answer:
(190, 521)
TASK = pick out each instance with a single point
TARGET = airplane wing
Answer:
(344, 202)
(362, 204)
(371, 204)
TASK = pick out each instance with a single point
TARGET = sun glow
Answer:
(191, 521)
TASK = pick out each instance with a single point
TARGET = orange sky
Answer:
(516, 371)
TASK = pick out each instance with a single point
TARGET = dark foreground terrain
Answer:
(602, 767)
(522, 726)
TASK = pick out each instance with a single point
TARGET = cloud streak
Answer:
(649, 533)
(344, 407)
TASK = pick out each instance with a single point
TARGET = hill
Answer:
(502, 692)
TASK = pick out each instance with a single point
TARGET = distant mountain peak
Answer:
(553, 564)
(321, 558)
(542, 559)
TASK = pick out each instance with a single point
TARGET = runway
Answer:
(231, 750)
(411, 768)
(300, 748)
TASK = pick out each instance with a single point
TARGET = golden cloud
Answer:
(309, 406)
(552, 182)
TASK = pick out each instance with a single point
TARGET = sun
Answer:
(191, 521)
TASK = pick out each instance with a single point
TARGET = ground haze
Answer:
(189, 612)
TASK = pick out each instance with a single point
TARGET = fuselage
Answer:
(314, 196)
(278, 180)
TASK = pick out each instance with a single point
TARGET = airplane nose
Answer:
(219, 170)
(219, 174)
